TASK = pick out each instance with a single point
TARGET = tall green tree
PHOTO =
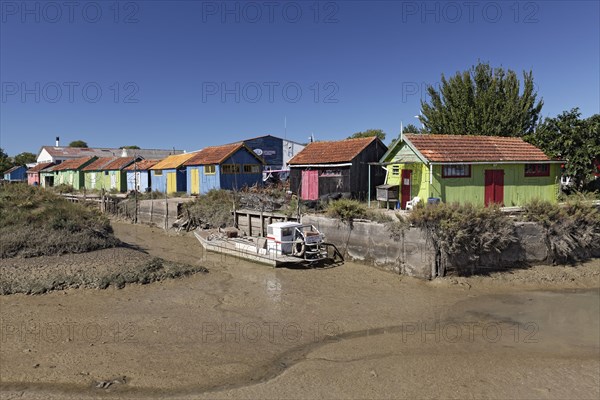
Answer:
(410, 128)
(483, 101)
(134, 147)
(573, 139)
(25, 158)
(369, 133)
(6, 162)
(78, 143)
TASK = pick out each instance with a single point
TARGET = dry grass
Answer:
(214, 208)
(463, 232)
(35, 222)
(572, 230)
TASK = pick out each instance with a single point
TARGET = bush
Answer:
(398, 226)
(214, 208)
(63, 188)
(580, 196)
(572, 230)
(293, 207)
(347, 210)
(461, 233)
(34, 222)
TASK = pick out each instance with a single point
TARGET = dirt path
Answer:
(249, 331)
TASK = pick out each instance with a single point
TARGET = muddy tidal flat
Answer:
(249, 331)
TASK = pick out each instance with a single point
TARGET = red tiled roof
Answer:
(109, 163)
(142, 165)
(332, 152)
(98, 164)
(216, 154)
(119, 163)
(75, 163)
(39, 167)
(470, 148)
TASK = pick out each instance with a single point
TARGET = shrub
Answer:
(398, 226)
(572, 230)
(63, 188)
(580, 196)
(346, 210)
(377, 216)
(34, 222)
(463, 232)
(214, 208)
(293, 207)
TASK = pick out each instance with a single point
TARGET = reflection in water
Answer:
(273, 288)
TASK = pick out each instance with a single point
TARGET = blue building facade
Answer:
(139, 176)
(169, 180)
(142, 180)
(269, 148)
(16, 174)
(169, 175)
(276, 152)
(228, 167)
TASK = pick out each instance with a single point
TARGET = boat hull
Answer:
(246, 252)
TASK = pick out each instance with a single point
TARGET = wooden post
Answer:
(249, 218)
(262, 224)
(234, 209)
(166, 211)
(151, 206)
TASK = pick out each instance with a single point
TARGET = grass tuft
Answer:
(36, 222)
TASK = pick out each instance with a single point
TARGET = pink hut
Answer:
(33, 173)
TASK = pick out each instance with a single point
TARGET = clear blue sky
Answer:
(189, 74)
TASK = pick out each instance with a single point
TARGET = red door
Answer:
(405, 181)
(494, 187)
(310, 185)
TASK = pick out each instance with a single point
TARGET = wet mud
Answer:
(249, 331)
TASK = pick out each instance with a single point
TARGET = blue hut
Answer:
(168, 175)
(17, 173)
(139, 176)
(231, 166)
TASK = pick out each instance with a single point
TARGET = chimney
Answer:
(57, 141)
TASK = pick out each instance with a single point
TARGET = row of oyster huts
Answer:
(447, 168)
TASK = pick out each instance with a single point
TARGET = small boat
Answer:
(286, 243)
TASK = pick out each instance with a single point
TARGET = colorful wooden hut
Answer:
(71, 173)
(230, 167)
(336, 169)
(33, 173)
(471, 169)
(139, 176)
(169, 174)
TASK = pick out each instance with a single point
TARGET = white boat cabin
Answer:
(283, 236)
